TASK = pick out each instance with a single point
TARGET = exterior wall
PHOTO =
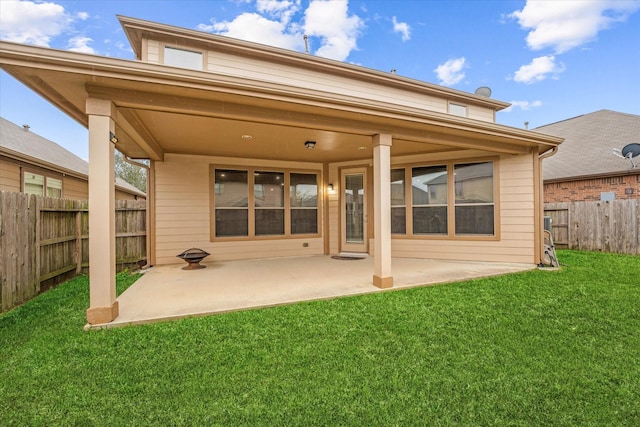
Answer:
(254, 69)
(624, 187)
(516, 229)
(75, 189)
(9, 176)
(183, 213)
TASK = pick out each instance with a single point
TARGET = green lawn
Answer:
(535, 348)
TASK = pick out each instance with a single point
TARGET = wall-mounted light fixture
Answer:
(113, 138)
(330, 187)
(310, 145)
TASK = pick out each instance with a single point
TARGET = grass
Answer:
(534, 348)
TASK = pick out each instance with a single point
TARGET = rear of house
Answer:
(260, 152)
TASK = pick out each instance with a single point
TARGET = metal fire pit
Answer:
(193, 257)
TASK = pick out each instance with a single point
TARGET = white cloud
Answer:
(451, 72)
(256, 28)
(564, 25)
(338, 31)
(81, 44)
(403, 28)
(83, 16)
(327, 20)
(32, 23)
(539, 69)
(523, 105)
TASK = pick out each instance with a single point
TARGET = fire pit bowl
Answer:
(193, 257)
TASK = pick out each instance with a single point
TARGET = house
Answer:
(260, 152)
(32, 164)
(585, 167)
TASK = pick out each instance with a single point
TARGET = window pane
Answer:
(476, 219)
(54, 187)
(183, 58)
(397, 187)
(232, 222)
(34, 184)
(429, 185)
(303, 190)
(458, 110)
(398, 220)
(268, 189)
(304, 221)
(231, 188)
(474, 183)
(431, 220)
(269, 222)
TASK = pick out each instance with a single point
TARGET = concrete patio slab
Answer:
(168, 292)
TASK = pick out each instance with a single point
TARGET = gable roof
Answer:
(589, 141)
(18, 142)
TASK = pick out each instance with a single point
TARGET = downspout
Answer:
(147, 212)
(540, 212)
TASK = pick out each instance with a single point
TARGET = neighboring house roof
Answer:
(19, 142)
(589, 141)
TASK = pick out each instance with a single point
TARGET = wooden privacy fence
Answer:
(45, 240)
(606, 226)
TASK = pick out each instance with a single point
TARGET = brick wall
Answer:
(624, 187)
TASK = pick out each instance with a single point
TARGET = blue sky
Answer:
(552, 59)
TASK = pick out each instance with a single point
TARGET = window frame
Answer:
(451, 201)
(251, 235)
(202, 52)
(45, 182)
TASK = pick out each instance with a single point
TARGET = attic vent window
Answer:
(182, 58)
(458, 109)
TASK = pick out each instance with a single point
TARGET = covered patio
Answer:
(168, 292)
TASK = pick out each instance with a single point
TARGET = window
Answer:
(41, 185)
(231, 203)
(474, 198)
(458, 110)
(445, 200)
(272, 203)
(398, 202)
(268, 190)
(429, 199)
(303, 193)
(182, 58)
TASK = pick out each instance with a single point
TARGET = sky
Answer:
(551, 59)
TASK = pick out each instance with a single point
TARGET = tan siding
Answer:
(153, 52)
(183, 213)
(9, 177)
(75, 189)
(479, 113)
(277, 73)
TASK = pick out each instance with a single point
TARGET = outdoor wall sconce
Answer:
(330, 187)
(310, 145)
(113, 138)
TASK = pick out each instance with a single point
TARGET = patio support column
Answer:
(103, 307)
(382, 277)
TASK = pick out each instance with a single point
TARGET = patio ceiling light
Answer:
(310, 145)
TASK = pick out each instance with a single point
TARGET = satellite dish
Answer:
(483, 91)
(629, 151)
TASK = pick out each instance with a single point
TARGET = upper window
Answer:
(41, 185)
(458, 109)
(182, 58)
(271, 203)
